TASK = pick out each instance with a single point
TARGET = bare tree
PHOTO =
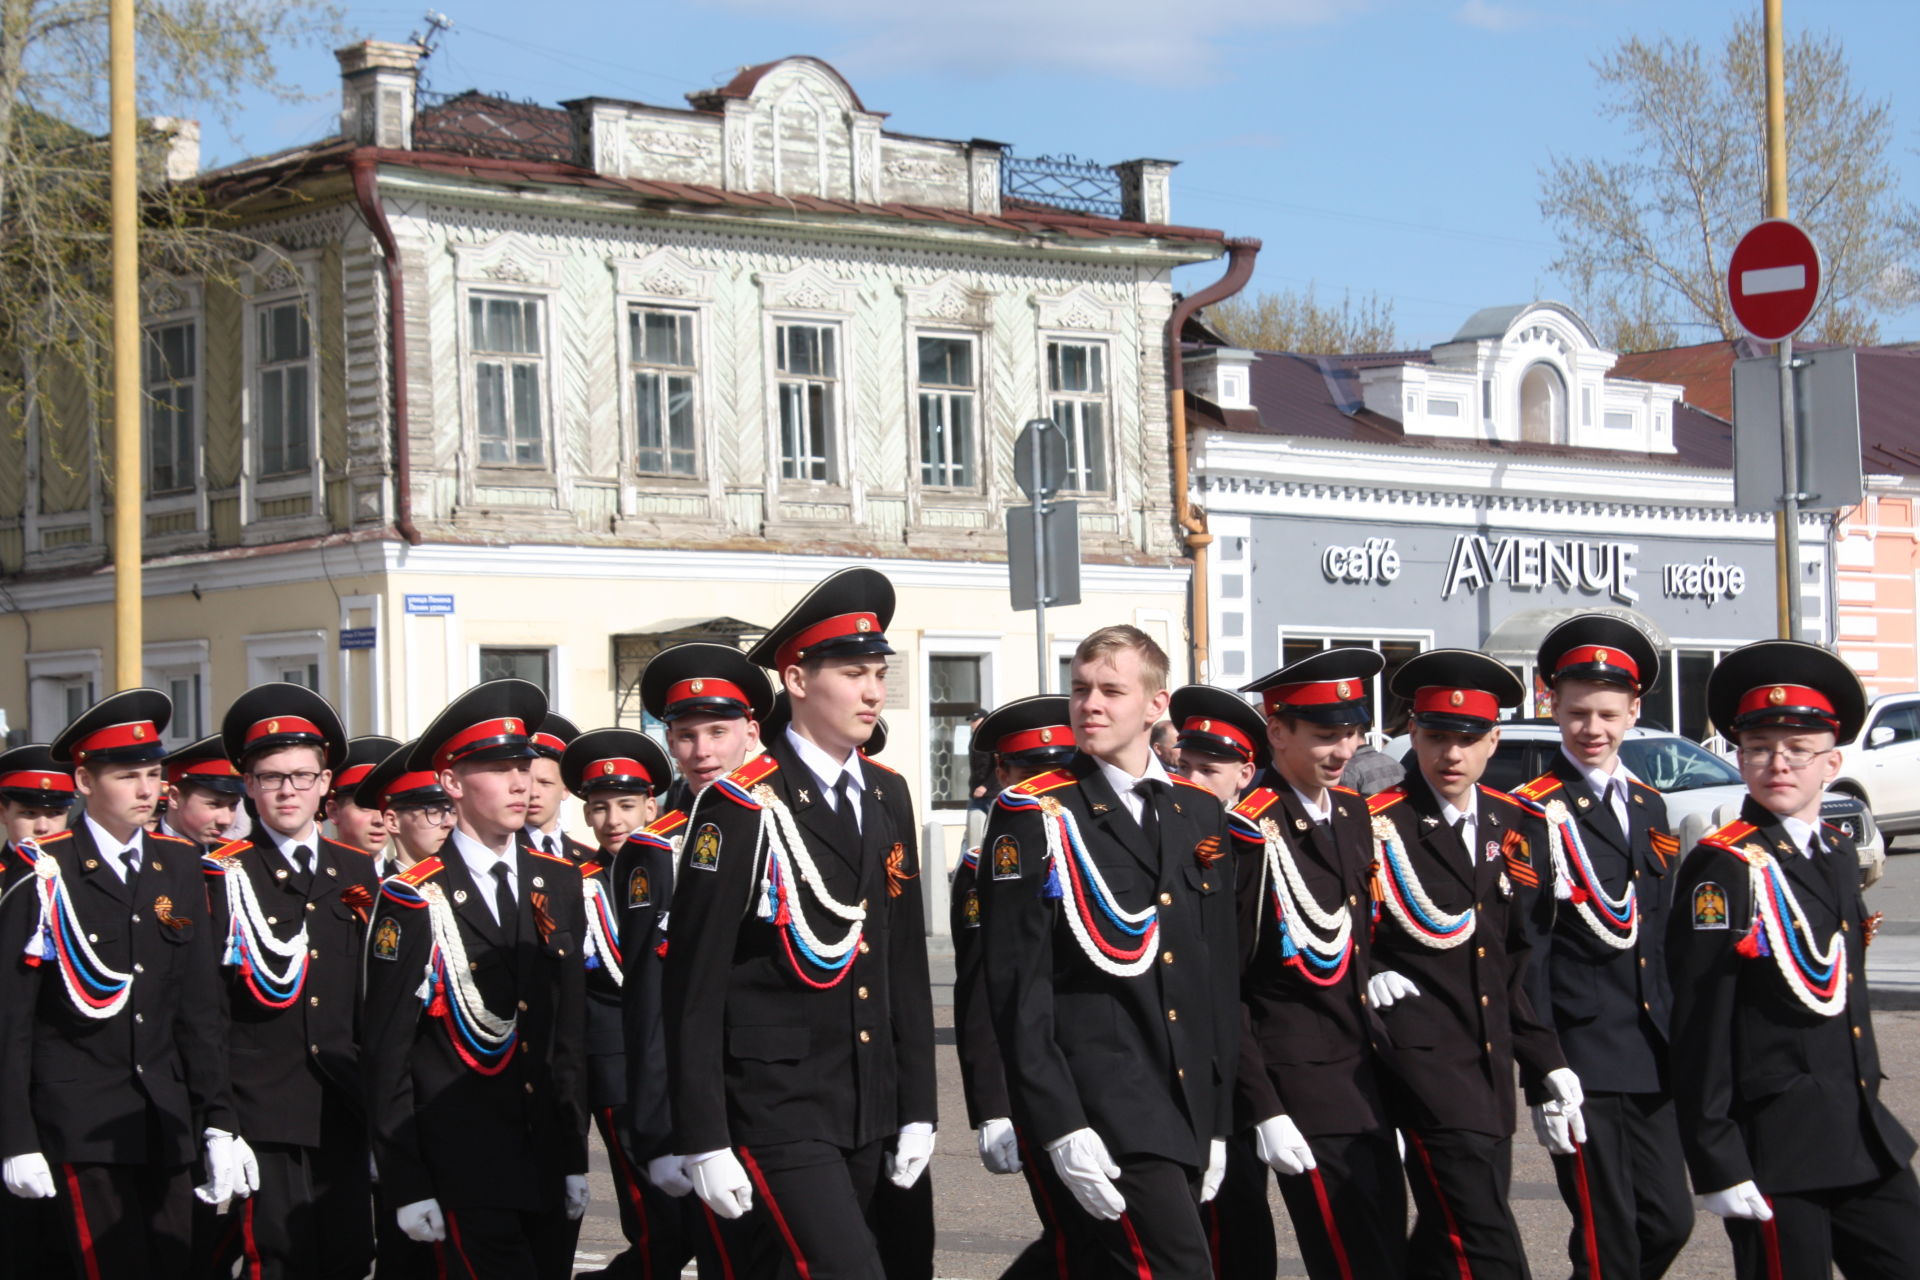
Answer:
(1298, 322)
(1645, 236)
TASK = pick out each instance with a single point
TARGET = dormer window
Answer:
(1543, 405)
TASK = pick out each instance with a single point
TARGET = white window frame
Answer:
(268, 654)
(189, 660)
(560, 695)
(1376, 692)
(694, 372)
(169, 304)
(946, 394)
(985, 645)
(471, 359)
(277, 279)
(834, 440)
(1054, 400)
(49, 676)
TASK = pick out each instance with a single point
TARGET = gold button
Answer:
(1166, 957)
(139, 968)
(1480, 952)
(1173, 1015)
(523, 1006)
(1856, 1033)
(141, 1017)
(1488, 1046)
(314, 1049)
(1166, 899)
(1181, 1072)
(866, 1036)
(864, 948)
(1206, 884)
(473, 966)
(136, 918)
(310, 906)
(529, 1086)
(561, 952)
(270, 919)
(315, 953)
(863, 904)
(1843, 926)
(1483, 1002)
(1643, 962)
(862, 993)
(1863, 1082)
(1353, 899)
(1363, 997)
(314, 1001)
(1646, 1006)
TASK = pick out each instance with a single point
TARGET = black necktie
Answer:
(1460, 834)
(503, 904)
(1149, 789)
(131, 858)
(843, 807)
(303, 859)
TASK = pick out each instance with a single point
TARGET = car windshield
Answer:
(1675, 764)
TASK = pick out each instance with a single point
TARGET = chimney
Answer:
(378, 84)
(1145, 190)
(171, 149)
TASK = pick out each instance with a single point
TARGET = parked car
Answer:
(1703, 792)
(1882, 764)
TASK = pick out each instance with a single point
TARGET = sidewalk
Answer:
(1893, 966)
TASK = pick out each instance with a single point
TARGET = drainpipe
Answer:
(366, 192)
(1193, 522)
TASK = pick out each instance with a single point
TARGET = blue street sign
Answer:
(429, 604)
(357, 637)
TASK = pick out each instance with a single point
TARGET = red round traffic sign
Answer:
(1773, 279)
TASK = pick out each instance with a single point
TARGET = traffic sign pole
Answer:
(1790, 497)
(1040, 560)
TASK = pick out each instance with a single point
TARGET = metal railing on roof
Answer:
(1065, 182)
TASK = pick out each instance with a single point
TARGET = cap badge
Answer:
(863, 625)
(273, 726)
(510, 726)
(697, 686)
(1777, 696)
(1046, 735)
(1344, 689)
(607, 767)
(1206, 726)
(1455, 698)
(45, 783)
(139, 733)
(1599, 655)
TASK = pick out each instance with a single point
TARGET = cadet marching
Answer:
(233, 1043)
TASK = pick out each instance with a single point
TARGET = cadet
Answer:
(1449, 962)
(290, 909)
(36, 795)
(1598, 967)
(547, 792)
(1021, 739)
(204, 791)
(1223, 741)
(617, 773)
(476, 1029)
(417, 813)
(1308, 1100)
(112, 1059)
(796, 979)
(1775, 1072)
(354, 825)
(1111, 967)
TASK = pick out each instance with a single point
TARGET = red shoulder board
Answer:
(1488, 791)
(592, 867)
(161, 835)
(1540, 788)
(231, 849)
(1041, 783)
(421, 871)
(1346, 791)
(667, 823)
(1651, 790)
(887, 768)
(1255, 803)
(547, 857)
(1179, 781)
(1729, 836)
(351, 848)
(1381, 801)
(754, 772)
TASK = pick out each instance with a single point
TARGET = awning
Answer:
(1517, 639)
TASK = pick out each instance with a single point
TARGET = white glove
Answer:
(720, 1182)
(1279, 1142)
(1742, 1200)
(246, 1168)
(29, 1177)
(221, 1168)
(1216, 1170)
(999, 1146)
(1565, 1088)
(578, 1196)
(1385, 987)
(669, 1174)
(911, 1152)
(1082, 1162)
(422, 1221)
(1551, 1128)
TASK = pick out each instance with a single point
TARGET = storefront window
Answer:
(1389, 710)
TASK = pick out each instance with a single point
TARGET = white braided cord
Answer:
(1062, 830)
(247, 918)
(1562, 832)
(52, 888)
(491, 1031)
(598, 943)
(1297, 905)
(1777, 940)
(1393, 853)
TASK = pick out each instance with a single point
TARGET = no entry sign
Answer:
(1773, 279)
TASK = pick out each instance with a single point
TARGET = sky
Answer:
(1388, 147)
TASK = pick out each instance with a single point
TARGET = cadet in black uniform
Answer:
(418, 814)
(1598, 967)
(1449, 966)
(796, 978)
(1021, 739)
(475, 1014)
(290, 909)
(204, 791)
(547, 792)
(113, 1071)
(1308, 1101)
(617, 773)
(1222, 742)
(353, 823)
(1112, 969)
(1776, 1074)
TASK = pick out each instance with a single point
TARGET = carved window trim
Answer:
(665, 281)
(809, 296)
(165, 304)
(276, 279)
(507, 266)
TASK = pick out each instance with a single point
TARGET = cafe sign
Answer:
(1476, 562)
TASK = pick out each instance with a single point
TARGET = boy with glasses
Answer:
(1776, 1073)
(364, 829)
(203, 793)
(411, 804)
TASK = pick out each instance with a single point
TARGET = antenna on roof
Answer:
(437, 22)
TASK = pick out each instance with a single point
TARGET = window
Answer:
(1390, 711)
(507, 375)
(1077, 381)
(284, 353)
(954, 688)
(660, 350)
(807, 378)
(297, 657)
(179, 669)
(170, 376)
(293, 671)
(947, 394)
(59, 687)
(535, 666)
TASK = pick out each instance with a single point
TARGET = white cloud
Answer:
(1489, 16)
(1144, 39)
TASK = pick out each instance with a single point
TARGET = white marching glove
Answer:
(1552, 1130)
(579, 1195)
(1386, 987)
(999, 1145)
(246, 1168)
(911, 1152)
(221, 1168)
(1565, 1088)
(1742, 1200)
(1280, 1144)
(669, 1174)
(720, 1182)
(29, 1177)
(1216, 1170)
(422, 1221)
(1081, 1160)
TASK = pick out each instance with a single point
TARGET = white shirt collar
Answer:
(481, 860)
(1123, 783)
(1471, 813)
(1599, 779)
(287, 844)
(1798, 830)
(1315, 813)
(824, 766)
(112, 849)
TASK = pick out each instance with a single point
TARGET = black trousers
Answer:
(506, 1244)
(1464, 1224)
(902, 1222)
(1053, 1256)
(1870, 1232)
(396, 1255)
(812, 1201)
(312, 1218)
(1161, 1234)
(1349, 1214)
(127, 1222)
(33, 1244)
(653, 1222)
(1626, 1189)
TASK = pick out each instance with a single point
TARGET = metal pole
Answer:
(1786, 532)
(127, 487)
(1789, 519)
(1040, 559)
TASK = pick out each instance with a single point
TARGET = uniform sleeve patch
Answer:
(704, 852)
(386, 939)
(970, 909)
(1006, 858)
(1709, 906)
(639, 888)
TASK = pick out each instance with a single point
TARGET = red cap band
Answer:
(1220, 729)
(847, 624)
(547, 742)
(702, 687)
(351, 776)
(1047, 735)
(1598, 655)
(1457, 702)
(216, 767)
(131, 734)
(1787, 698)
(613, 767)
(275, 726)
(469, 739)
(37, 780)
(1314, 693)
(409, 782)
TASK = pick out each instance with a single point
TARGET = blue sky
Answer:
(1388, 146)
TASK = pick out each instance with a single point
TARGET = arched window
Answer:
(1543, 406)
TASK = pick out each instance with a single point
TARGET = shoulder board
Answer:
(1729, 836)
(547, 857)
(971, 858)
(22, 854)
(1651, 790)
(884, 768)
(350, 848)
(1255, 803)
(1836, 829)
(1179, 781)
(1540, 788)
(421, 871)
(754, 772)
(592, 867)
(1381, 801)
(214, 865)
(1345, 791)
(44, 841)
(230, 849)
(666, 824)
(1493, 794)
(160, 835)
(1041, 783)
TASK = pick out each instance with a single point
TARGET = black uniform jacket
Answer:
(642, 886)
(1450, 1050)
(1767, 1089)
(137, 1087)
(983, 1078)
(287, 1063)
(443, 1129)
(1306, 1050)
(1148, 1061)
(757, 1052)
(1609, 1005)
(606, 1039)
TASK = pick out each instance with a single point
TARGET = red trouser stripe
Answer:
(248, 1245)
(1588, 1227)
(1446, 1212)
(719, 1245)
(1321, 1198)
(779, 1218)
(460, 1250)
(1770, 1242)
(630, 1187)
(1213, 1234)
(1141, 1270)
(1039, 1185)
(85, 1233)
